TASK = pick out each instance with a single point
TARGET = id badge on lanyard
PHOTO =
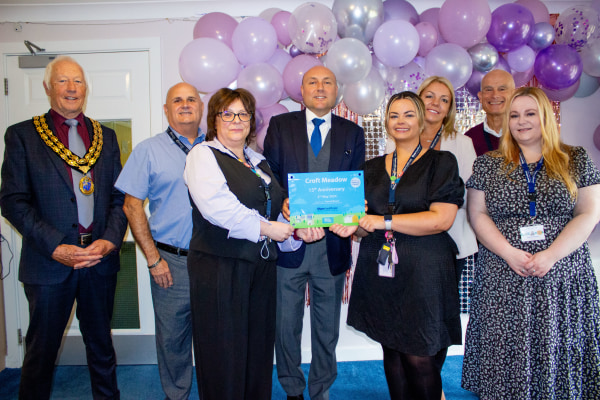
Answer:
(388, 257)
(532, 232)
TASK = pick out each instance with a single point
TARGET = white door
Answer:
(119, 89)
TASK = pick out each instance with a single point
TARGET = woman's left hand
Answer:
(371, 222)
(539, 264)
(343, 230)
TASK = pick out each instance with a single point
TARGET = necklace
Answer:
(85, 163)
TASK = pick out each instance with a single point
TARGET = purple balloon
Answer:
(293, 73)
(263, 81)
(294, 51)
(522, 78)
(502, 64)
(450, 61)
(543, 36)
(512, 27)
(464, 22)
(280, 23)
(561, 94)
(279, 60)
(400, 9)
(216, 25)
(254, 41)
(428, 37)
(396, 43)
(597, 137)
(208, 64)
(473, 85)
(558, 66)
(538, 10)
(521, 59)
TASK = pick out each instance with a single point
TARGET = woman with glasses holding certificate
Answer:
(235, 204)
(405, 292)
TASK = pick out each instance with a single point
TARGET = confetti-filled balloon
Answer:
(312, 28)
(576, 26)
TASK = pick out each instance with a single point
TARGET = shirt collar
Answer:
(311, 115)
(185, 140)
(489, 130)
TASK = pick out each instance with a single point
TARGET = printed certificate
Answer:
(322, 199)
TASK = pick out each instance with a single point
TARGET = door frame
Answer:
(11, 284)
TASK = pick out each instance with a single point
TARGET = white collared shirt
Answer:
(489, 130)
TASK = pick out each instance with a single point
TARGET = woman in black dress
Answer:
(405, 293)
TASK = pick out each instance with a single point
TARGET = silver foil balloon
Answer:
(543, 36)
(484, 56)
(358, 19)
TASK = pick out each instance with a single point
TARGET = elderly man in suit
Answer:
(313, 140)
(58, 191)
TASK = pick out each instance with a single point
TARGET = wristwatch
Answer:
(387, 218)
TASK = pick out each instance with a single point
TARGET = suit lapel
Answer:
(300, 141)
(59, 164)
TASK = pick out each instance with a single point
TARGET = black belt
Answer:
(171, 249)
(85, 239)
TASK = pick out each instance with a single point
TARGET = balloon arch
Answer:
(377, 48)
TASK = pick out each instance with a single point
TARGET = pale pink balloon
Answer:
(280, 22)
(267, 113)
(464, 22)
(537, 8)
(216, 25)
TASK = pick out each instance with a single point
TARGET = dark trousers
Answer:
(233, 319)
(49, 311)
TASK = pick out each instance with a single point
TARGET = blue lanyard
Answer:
(178, 142)
(395, 178)
(530, 181)
(436, 139)
(266, 187)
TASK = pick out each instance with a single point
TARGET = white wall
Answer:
(40, 25)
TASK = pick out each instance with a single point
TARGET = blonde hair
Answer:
(450, 118)
(554, 151)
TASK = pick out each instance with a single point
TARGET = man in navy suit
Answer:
(290, 148)
(71, 218)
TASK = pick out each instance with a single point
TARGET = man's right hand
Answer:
(162, 274)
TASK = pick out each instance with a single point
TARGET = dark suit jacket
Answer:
(286, 150)
(37, 197)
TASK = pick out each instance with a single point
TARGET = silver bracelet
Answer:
(156, 263)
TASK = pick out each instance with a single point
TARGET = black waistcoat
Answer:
(249, 190)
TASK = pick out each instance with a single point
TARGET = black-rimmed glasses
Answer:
(228, 116)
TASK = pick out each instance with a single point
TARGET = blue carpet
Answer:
(357, 380)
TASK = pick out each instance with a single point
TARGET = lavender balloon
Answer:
(431, 15)
(521, 59)
(267, 113)
(484, 56)
(400, 9)
(450, 61)
(396, 43)
(502, 64)
(254, 40)
(293, 73)
(294, 51)
(464, 22)
(512, 27)
(263, 81)
(558, 67)
(358, 19)
(280, 23)
(349, 59)
(216, 25)
(208, 64)
(543, 36)
(428, 37)
(365, 96)
(522, 78)
(312, 28)
(576, 26)
(279, 60)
